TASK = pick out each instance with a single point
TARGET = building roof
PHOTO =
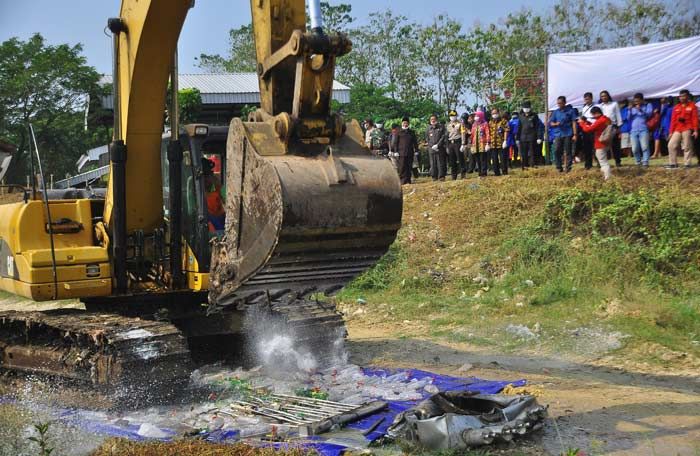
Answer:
(229, 88)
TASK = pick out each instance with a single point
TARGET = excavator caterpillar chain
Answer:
(129, 358)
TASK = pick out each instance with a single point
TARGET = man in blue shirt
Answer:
(562, 125)
(625, 141)
(639, 113)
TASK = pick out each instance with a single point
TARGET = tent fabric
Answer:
(656, 70)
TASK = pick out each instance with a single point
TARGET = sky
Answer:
(207, 25)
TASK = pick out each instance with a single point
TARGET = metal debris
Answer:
(313, 416)
(463, 419)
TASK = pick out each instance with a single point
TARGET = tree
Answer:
(51, 87)
(336, 18)
(241, 55)
(443, 46)
(190, 103)
(394, 47)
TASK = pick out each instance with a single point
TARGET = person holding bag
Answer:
(602, 130)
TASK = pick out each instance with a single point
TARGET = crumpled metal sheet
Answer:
(458, 419)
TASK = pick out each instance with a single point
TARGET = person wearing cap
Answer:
(480, 142)
(435, 138)
(406, 145)
(498, 127)
(529, 136)
(216, 214)
(377, 139)
(454, 144)
(512, 138)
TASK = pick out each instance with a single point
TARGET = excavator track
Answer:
(139, 359)
(125, 356)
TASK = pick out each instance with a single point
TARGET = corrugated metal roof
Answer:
(230, 88)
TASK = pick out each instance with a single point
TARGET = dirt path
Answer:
(599, 410)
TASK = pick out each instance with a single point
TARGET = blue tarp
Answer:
(81, 418)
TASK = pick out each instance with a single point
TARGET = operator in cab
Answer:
(216, 214)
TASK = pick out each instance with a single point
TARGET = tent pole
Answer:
(545, 146)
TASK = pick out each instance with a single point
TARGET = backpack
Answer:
(653, 121)
(606, 135)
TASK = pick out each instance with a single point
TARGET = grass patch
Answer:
(123, 447)
(559, 252)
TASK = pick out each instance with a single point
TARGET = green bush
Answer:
(663, 233)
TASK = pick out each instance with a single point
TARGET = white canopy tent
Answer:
(656, 70)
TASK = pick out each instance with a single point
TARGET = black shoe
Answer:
(687, 166)
(464, 175)
(672, 166)
(561, 170)
(442, 179)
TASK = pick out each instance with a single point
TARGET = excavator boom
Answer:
(307, 208)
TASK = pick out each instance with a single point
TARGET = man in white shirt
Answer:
(611, 110)
(587, 146)
(369, 125)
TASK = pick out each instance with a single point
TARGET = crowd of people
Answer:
(491, 141)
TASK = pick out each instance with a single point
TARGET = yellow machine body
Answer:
(307, 203)
(26, 260)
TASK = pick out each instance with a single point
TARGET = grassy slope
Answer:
(570, 255)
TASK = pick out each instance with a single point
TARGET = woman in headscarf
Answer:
(481, 141)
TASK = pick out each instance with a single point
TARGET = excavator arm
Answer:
(309, 207)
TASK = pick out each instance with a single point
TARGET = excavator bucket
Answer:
(301, 218)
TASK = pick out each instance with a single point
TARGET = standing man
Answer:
(393, 153)
(684, 129)
(405, 144)
(587, 137)
(563, 129)
(640, 112)
(454, 144)
(512, 140)
(369, 127)
(435, 139)
(377, 139)
(498, 127)
(528, 135)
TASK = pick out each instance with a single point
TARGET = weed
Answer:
(42, 439)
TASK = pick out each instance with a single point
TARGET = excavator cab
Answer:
(203, 170)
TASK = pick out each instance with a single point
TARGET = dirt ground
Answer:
(596, 408)
(600, 410)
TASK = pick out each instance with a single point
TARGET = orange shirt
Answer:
(684, 117)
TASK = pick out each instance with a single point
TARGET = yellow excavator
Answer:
(307, 208)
